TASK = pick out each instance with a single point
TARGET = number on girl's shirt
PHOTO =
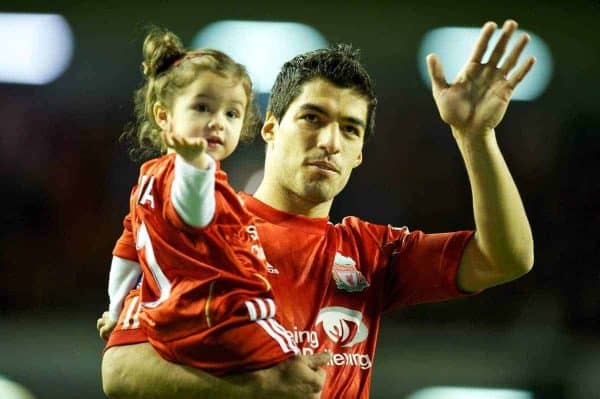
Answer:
(163, 284)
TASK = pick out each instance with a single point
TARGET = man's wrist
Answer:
(246, 385)
(474, 139)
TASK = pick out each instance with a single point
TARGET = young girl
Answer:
(205, 299)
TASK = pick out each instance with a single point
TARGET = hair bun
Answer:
(161, 49)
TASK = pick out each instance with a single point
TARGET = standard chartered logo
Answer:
(338, 323)
(342, 326)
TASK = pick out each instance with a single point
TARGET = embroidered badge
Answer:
(346, 276)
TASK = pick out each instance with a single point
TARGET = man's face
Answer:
(318, 142)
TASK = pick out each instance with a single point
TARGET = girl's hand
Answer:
(191, 149)
(105, 325)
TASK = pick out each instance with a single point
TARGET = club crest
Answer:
(346, 276)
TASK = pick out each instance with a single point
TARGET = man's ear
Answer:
(269, 128)
(161, 115)
(358, 160)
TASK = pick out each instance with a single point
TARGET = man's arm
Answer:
(502, 247)
(137, 371)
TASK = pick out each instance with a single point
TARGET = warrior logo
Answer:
(343, 325)
(346, 276)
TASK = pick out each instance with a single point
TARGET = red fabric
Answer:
(210, 273)
(125, 246)
(401, 268)
(127, 330)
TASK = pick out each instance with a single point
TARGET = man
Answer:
(332, 282)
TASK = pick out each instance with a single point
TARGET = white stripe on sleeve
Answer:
(284, 347)
(279, 328)
(251, 310)
(271, 304)
(262, 307)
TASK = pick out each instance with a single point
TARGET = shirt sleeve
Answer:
(125, 246)
(192, 194)
(123, 277)
(423, 267)
(128, 330)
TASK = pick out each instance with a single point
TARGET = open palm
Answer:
(477, 100)
(191, 149)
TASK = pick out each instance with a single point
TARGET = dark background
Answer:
(65, 184)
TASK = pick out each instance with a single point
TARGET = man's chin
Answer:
(318, 192)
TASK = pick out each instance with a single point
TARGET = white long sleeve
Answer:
(124, 275)
(193, 193)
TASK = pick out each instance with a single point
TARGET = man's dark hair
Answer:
(339, 65)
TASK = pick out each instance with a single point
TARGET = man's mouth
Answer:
(325, 166)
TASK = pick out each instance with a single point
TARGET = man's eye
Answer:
(202, 107)
(312, 118)
(352, 130)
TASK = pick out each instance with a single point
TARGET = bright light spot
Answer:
(469, 393)
(253, 181)
(34, 48)
(262, 47)
(11, 390)
(453, 46)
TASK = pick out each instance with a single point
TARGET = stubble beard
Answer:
(315, 190)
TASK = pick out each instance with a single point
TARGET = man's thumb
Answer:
(318, 360)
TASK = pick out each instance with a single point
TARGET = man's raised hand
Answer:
(475, 103)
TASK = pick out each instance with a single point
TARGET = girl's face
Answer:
(212, 107)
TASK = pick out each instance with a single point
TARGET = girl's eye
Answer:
(202, 107)
(233, 114)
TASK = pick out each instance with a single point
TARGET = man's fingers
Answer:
(436, 73)
(520, 73)
(482, 44)
(507, 30)
(321, 376)
(514, 55)
(318, 360)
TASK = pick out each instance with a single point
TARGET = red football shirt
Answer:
(205, 299)
(332, 282)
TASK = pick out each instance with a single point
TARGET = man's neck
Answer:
(290, 202)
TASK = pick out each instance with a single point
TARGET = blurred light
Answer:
(35, 48)
(453, 46)
(469, 393)
(262, 47)
(11, 390)
(254, 181)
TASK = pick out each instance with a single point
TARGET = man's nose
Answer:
(330, 138)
